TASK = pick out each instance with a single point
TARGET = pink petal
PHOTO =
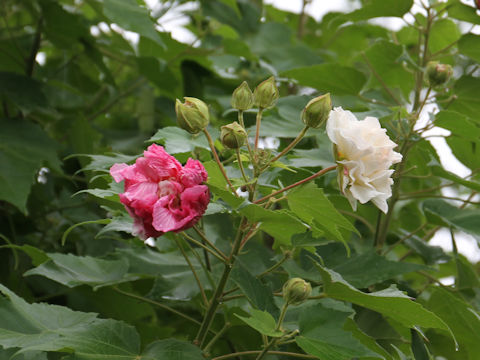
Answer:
(117, 171)
(193, 173)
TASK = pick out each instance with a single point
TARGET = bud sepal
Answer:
(193, 115)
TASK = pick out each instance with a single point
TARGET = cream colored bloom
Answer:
(365, 154)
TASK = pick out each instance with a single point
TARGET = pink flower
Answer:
(161, 195)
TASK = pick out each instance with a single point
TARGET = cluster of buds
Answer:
(193, 114)
(437, 73)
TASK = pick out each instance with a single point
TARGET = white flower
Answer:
(365, 153)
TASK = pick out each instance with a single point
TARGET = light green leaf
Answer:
(312, 206)
(461, 11)
(443, 33)
(171, 349)
(469, 44)
(334, 78)
(379, 8)
(438, 170)
(263, 322)
(177, 140)
(71, 270)
(458, 124)
(467, 102)
(390, 302)
(280, 224)
(129, 15)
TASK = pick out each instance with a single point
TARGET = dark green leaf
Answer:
(419, 349)
(71, 270)
(466, 103)
(24, 148)
(460, 317)
(171, 349)
(258, 294)
(25, 92)
(444, 214)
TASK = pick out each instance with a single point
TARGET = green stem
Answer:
(290, 146)
(217, 159)
(216, 337)
(240, 165)
(285, 257)
(204, 267)
(250, 151)
(298, 183)
(219, 256)
(214, 302)
(192, 269)
(160, 305)
(282, 316)
(257, 129)
(212, 245)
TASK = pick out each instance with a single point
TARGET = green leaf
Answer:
(443, 33)
(25, 92)
(131, 16)
(431, 254)
(258, 294)
(263, 322)
(323, 335)
(177, 140)
(442, 213)
(218, 185)
(461, 11)
(460, 317)
(334, 78)
(438, 170)
(469, 44)
(69, 230)
(171, 349)
(312, 206)
(24, 148)
(385, 58)
(458, 124)
(280, 224)
(379, 8)
(370, 268)
(46, 327)
(467, 102)
(29, 355)
(71, 270)
(390, 302)
(419, 349)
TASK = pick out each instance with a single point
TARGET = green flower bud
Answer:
(296, 291)
(437, 73)
(192, 115)
(317, 110)
(242, 97)
(266, 93)
(233, 135)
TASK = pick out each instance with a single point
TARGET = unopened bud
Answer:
(233, 135)
(317, 110)
(262, 157)
(193, 115)
(242, 97)
(296, 291)
(266, 93)
(438, 73)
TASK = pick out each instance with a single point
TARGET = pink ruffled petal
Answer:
(193, 173)
(117, 171)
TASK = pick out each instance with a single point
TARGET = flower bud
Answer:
(192, 115)
(242, 97)
(296, 291)
(317, 110)
(266, 93)
(438, 73)
(233, 135)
